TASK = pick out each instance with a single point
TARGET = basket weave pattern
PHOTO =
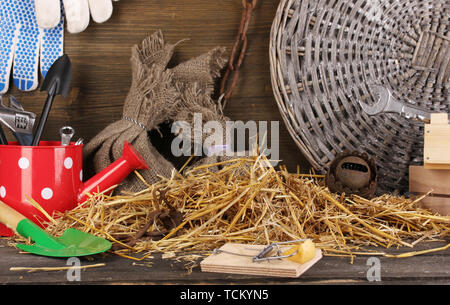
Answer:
(324, 54)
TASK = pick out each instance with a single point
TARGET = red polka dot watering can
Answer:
(52, 175)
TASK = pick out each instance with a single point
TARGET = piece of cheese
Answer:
(306, 251)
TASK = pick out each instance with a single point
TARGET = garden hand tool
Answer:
(57, 81)
(48, 13)
(19, 121)
(53, 175)
(387, 103)
(66, 133)
(71, 243)
(25, 46)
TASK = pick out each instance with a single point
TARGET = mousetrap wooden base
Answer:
(423, 180)
(237, 264)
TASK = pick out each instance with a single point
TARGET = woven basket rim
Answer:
(318, 151)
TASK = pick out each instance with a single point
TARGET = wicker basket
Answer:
(324, 54)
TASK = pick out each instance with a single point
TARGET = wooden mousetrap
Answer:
(239, 259)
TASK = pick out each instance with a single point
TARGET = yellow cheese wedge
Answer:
(306, 251)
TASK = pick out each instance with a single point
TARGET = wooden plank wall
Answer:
(101, 70)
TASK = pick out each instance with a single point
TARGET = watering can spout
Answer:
(114, 174)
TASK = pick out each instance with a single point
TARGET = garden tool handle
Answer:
(10, 217)
(3, 140)
(43, 119)
(25, 227)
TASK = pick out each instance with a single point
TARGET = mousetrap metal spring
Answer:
(263, 254)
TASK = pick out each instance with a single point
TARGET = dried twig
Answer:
(34, 269)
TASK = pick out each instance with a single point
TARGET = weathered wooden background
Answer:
(101, 70)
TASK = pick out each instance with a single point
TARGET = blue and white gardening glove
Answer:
(77, 13)
(23, 45)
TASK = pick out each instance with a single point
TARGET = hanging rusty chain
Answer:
(237, 55)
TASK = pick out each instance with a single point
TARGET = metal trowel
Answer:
(56, 82)
(71, 243)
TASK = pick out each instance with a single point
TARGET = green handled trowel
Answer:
(71, 243)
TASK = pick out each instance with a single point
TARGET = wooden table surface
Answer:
(431, 268)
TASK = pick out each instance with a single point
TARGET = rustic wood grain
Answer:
(423, 180)
(101, 71)
(437, 142)
(424, 269)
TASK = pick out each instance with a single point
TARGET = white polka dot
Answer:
(47, 193)
(2, 191)
(81, 175)
(24, 163)
(68, 162)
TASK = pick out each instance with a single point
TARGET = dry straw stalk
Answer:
(248, 201)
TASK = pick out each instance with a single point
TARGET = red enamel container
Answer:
(52, 175)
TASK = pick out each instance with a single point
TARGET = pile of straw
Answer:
(248, 201)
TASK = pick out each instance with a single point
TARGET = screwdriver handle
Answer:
(3, 140)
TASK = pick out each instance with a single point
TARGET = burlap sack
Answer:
(151, 100)
(157, 95)
(195, 98)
